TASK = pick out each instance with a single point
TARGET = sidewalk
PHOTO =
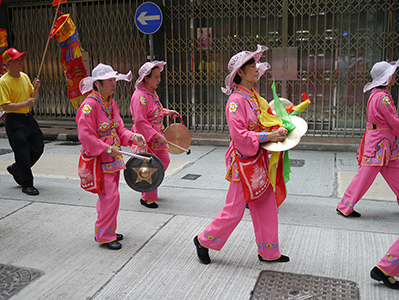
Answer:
(53, 232)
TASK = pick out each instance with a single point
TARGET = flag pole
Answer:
(48, 39)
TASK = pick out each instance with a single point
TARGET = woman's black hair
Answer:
(94, 86)
(237, 78)
(149, 75)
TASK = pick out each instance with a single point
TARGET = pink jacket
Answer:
(147, 115)
(98, 129)
(245, 130)
(380, 143)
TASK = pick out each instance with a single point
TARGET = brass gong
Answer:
(144, 176)
(177, 134)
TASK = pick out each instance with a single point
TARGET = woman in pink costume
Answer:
(147, 114)
(101, 132)
(243, 112)
(388, 267)
(378, 151)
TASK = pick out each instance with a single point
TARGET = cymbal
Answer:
(291, 141)
(143, 176)
(300, 124)
(178, 134)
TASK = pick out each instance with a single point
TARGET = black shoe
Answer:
(119, 237)
(30, 190)
(282, 258)
(114, 245)
(14, 175)
(353, 214)
(378, 275)
(202, 252)
(152, 205)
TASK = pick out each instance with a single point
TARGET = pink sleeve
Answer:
(87, 129)
(244, 140)
(139, 110)
(386, 108)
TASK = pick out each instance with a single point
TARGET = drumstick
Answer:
(149, 159)
(188, 151)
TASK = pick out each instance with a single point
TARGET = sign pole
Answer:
(151, 42)
(148, 19)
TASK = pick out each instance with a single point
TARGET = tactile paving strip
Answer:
(281, 285)
(13, 279)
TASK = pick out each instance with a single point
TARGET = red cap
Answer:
(12, 54)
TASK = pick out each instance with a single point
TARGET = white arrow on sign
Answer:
(143, 18)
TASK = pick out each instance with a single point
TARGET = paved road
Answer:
(53, 232)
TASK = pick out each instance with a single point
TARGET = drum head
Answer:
(143, 176)
(178, 134)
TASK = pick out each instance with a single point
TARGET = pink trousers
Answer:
(163, 155)
(107, 209)
(264, 218)
(390, 262)
(363, 180)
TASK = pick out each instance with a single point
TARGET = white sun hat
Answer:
(262, 68)
(102, 72)
(146, 69)
(237, 61)
(381, 73)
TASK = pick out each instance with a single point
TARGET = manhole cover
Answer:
(5, 151)
(281, 285)
(297, 162)
(191, 177)
(13, 279)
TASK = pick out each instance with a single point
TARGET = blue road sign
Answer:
(148, 18)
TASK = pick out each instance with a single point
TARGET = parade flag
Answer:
(71, 58)
(57, 2)
(280, 110)
(279, 167)
(3, 47)
(301, 106)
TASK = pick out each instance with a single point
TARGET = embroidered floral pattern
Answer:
(267, 246)
(348, 204)
(117, 164)
(99, 230)
(386, 100)
(104, 126)
(143, 100)
(211, 238)
(384, 146)
(263, 137)
(392, 259)
(233, 107)
(87, 109)
(252, 126)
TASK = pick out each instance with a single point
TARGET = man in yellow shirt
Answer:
(17, 98)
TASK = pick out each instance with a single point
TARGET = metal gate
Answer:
(107, 32)
(335, 42)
